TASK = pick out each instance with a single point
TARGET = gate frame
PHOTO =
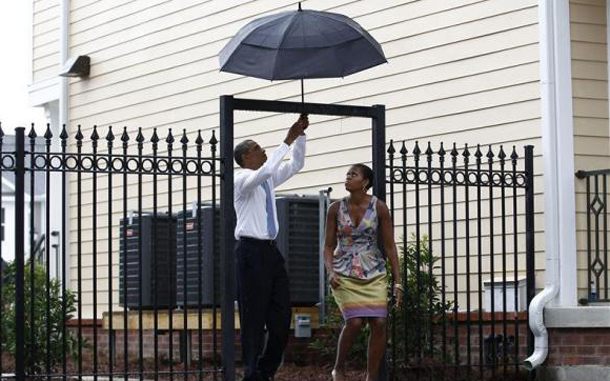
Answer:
(228, 106)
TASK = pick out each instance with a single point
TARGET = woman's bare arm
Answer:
(331, 242)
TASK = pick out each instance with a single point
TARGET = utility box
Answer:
(302, 325)
(298, 241)
(198, 257)
(498, 291)
(147, 261)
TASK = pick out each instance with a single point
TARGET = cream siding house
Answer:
(590, 92)
(464, 71)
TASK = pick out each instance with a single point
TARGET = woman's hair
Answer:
(366, 172)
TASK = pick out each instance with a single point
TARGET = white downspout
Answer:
(557, 146)
(64, 53)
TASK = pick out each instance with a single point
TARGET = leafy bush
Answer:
(416, 325)
(422, 309)
(36, 330)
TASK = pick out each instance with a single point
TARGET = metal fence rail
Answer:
(464, 216)
(597, 234)
(123, 205)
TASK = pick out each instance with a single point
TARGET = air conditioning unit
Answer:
(298, 240)
(158, 240)
(189, 250)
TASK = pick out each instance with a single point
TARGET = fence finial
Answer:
(490, 153)
(140, 138)
(442, 152)
(125, 136)
(79, 136)
(502, 154)
(391, 150)
(478, 154)
(48, 133)
(154, 139)
(32, 134)
(213, 140)
(170, 138)
(94, 135)
(64, 134)
(184, 139)
(466, 152)
(454, 153)
(416, 151)
(403, 150)
(429, 151)
(109, 135)
(514, 156)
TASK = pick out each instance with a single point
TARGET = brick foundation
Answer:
(298, 350)
(578, 346)
(514, 328)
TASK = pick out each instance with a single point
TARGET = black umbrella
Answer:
(301, 44)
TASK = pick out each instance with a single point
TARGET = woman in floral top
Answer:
(357, 267)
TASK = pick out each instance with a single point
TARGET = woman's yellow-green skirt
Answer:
(362, 297)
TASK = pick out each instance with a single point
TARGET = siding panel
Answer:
(590, 91)
(460, 70)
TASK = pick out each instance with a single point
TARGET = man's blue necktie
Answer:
(271, 229)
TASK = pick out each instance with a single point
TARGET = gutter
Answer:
(558, 152)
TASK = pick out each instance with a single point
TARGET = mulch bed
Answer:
(313, 372)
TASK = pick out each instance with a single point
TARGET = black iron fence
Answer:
(597, 234)
(113, 311)
(468, 265)
(128, 304)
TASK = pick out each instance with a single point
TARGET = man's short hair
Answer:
(241, 149)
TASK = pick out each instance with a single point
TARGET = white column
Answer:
(558, 153)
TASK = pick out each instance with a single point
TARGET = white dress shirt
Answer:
(249, 195)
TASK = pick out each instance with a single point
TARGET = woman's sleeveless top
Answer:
(357, 254)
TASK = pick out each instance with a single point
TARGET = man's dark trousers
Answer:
(264, 301)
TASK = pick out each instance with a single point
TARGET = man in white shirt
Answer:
(262, 280)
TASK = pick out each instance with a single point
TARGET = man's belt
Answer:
(270, 242)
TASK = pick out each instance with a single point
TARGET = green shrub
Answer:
(36, 356)
(420, 319)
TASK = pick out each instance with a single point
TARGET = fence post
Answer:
(379, 184)
(379, 180)
(227, 226)
(20, 253)
(529, 235)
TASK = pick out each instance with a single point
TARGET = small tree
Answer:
(422, 315)
(48, 345)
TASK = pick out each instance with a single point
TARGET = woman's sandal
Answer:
(336, 376)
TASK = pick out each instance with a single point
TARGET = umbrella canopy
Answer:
(301, 44)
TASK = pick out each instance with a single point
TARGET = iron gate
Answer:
(111, 185)
(113, 309)
(467, 223)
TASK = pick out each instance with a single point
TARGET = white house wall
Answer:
(8, 245)
(45, 51)
(590, 89)
(462, 71)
